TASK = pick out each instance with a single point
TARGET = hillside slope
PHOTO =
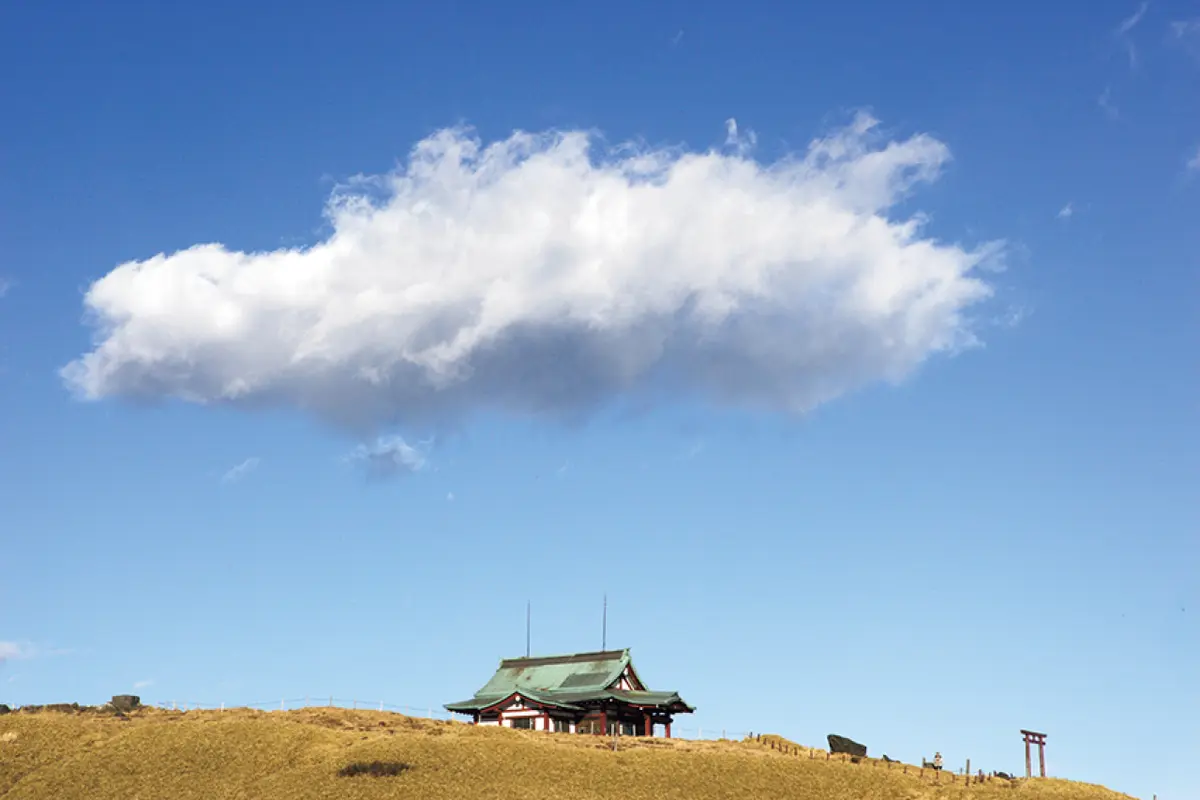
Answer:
(297, 755)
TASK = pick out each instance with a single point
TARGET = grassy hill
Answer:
(297, 755)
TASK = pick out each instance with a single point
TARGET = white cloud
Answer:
(4, 287)
(1194, 162)
(742, 143)
(388, 456)
(1106, 104)
(1067, 211)
(1182, 29)
(536, 275)
(1186, 33)
(450, 496)
(239, 471)
(1130, 22)
(143, 684)
(19, 651)
(677, 38)
(13, 651)
(1127, 25)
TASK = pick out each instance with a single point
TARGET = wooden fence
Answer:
(787, 748)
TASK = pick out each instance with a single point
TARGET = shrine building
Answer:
(582, 693)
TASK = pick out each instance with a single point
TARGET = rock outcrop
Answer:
(840, 744)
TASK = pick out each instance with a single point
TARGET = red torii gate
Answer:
(1032, 737)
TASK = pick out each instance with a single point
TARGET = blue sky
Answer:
(923, 486)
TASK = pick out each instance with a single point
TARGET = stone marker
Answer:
(126, 702)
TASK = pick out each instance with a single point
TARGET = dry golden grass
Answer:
(297, 755)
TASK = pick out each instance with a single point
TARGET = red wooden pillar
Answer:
(668, 727)
(546, 721)
(1033, 737)
(649, 725)
(604, 723)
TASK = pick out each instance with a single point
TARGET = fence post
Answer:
(331, 701)
(968, 766)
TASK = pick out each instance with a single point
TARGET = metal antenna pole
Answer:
(604, 632)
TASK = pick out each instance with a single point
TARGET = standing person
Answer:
(937, 760)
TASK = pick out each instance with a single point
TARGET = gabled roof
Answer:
(564, 681)
(577, 673)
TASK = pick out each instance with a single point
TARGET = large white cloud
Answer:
(537, 275)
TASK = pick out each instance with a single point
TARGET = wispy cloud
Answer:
(1127, 25)
(1131, 22)
(450, 497)
(1193, 163)
(741, 143)
(1067, 211)
(12, 651)
(1185, 33)
(239, 471)
(145, 684)
(1182, 29)
(388, 456)
(677, 39)
(5, 285)
(1106, 104)
(20, 651)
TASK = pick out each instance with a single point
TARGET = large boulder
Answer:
(126, 702)
(840, 744)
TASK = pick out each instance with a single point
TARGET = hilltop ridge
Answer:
(326, 753)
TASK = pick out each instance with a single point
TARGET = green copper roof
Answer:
(577, 673)
(565, 681)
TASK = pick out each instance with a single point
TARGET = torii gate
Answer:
(1039, 739)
